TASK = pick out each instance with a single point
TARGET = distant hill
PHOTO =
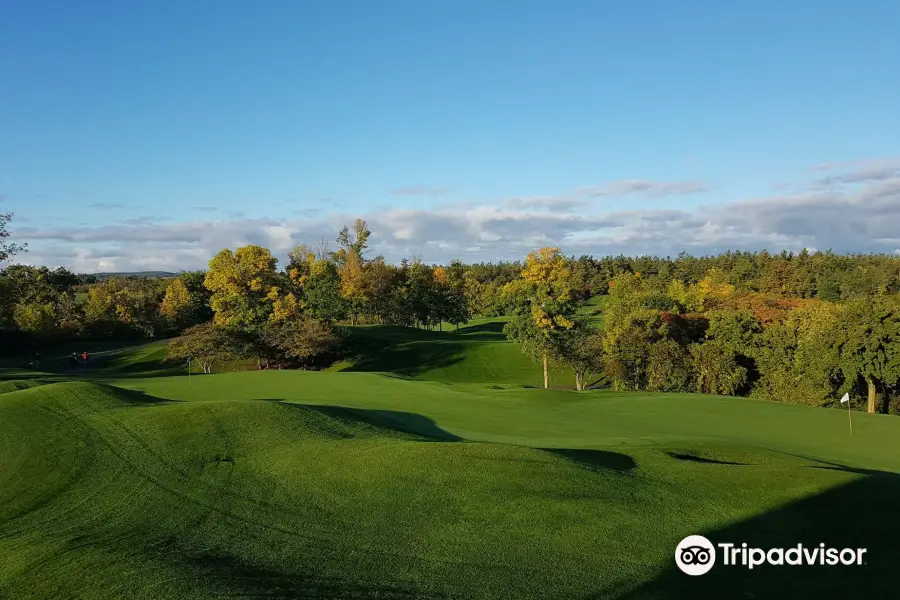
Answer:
(135, 274)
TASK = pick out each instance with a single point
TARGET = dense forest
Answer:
(797, 327)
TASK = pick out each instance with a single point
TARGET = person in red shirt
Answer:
(84, 357)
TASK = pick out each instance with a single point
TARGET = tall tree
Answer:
(546, 305)
(351, 263)
(176, 304)
(243, 286)
(582, 349)
(867, 345)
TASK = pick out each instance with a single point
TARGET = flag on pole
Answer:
(846, 399)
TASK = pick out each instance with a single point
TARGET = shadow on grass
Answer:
(402, 355)
(391, 420)
(595, 460)
(241, 579)
(701, 459)
(490, 331)
(859, 514)
(138, 397)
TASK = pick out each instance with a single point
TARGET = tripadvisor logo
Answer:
(696, 555)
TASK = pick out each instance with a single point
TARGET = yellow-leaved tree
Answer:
(543, 307)
(176, 303)
(349, 257)
(243, 286)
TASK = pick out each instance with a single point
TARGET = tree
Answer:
(199, 296)
(351, 265)
(456, 304)
(242, 286)
(668, 367)
(207, 344)
(353, 285)
(796, 359)
(8, 249)
(323, 292)
(36, 319)
(545, 306)
(301, 338)
(354, 243)
(867, 345)
(626, 356)
(582, 350)
(716, 368)
(176, 304)
(121, 306)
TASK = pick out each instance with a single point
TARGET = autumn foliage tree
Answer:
(243, 286)
(349, 257)
(545, 306)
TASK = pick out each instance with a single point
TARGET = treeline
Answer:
(712, 337)
(793, 327)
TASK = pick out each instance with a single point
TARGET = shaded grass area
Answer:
(477, 353)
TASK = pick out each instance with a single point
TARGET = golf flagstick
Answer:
(846, 398)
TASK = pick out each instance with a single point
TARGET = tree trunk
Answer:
(579, 381)
(441, 326)
(872, 395)
(546, 373)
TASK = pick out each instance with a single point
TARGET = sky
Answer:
(150, 135)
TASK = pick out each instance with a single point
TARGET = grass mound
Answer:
(352, 485)
(14, 385)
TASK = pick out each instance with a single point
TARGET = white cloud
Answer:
(856, 216)
(645, 188)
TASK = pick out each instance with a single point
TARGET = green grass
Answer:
(476, 353)
(124, 482)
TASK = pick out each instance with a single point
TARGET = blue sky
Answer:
(150, 135)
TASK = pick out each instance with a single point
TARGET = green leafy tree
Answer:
(716, 369)
(123, 307)
(867, 345)
(797, 359)
(626, 359)
(36, 319)
(323, 292)
(301, 339)
(207, 344)
(581, 348)
(8, 249)
(668, 367)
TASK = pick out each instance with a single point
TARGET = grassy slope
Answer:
(476, 353)
(258, 485)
